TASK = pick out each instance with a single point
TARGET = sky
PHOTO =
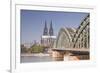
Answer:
(33, 22)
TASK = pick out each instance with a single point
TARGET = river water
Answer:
(29, 59)
(38, 58)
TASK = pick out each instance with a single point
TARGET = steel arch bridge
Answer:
(82, 36)
(74, 39)
(65, 37)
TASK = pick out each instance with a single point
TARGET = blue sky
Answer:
(32, 22)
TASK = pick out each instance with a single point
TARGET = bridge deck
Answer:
(71, 49)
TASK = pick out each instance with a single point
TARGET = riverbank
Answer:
(35, 54)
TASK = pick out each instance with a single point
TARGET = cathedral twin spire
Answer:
(45, 29)
(46, 32)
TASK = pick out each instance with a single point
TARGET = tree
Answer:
(36, 48)
(23, 49)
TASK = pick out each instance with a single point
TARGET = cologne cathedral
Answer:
(48, 38)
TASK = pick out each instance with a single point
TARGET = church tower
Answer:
(51, 30)
(48, 37)
(45, 29)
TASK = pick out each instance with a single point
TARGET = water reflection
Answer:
(30, 59)
(57, 59)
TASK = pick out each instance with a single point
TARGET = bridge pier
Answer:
(57, 55)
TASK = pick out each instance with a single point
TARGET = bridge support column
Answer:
(58, 55)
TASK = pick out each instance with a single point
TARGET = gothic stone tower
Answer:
(48, 37)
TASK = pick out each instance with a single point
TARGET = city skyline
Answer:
(33, 22)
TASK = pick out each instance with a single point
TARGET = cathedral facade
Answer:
(48, 38)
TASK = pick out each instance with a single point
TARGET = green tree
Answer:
(36, 48)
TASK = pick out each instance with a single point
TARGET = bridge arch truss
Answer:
(75, 38)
